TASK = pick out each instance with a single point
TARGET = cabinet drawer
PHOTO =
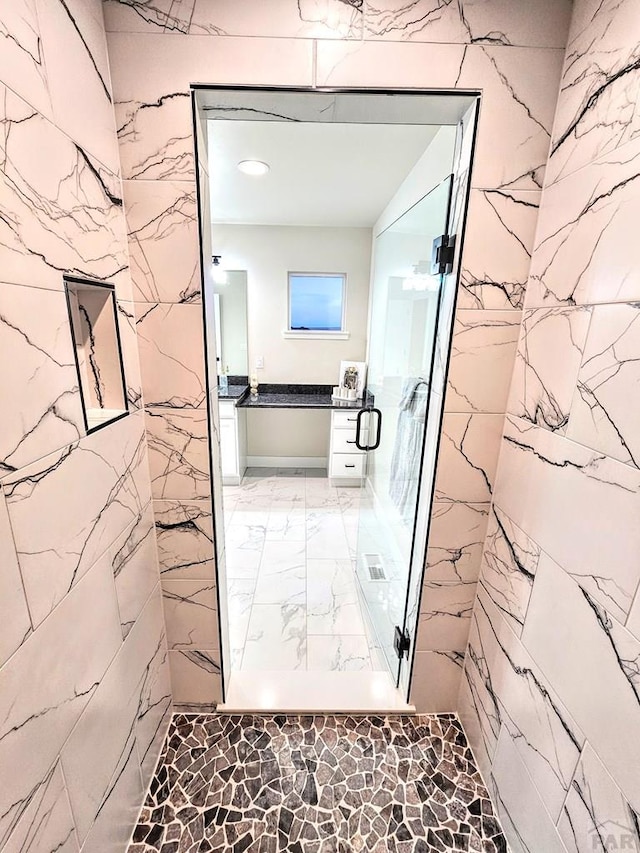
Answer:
(344, 441)
(228, 448)
(344, 420)
(227, 409)
(346, 465)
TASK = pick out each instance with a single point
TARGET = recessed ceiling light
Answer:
(253, 167)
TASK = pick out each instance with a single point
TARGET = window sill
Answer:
(316, 336)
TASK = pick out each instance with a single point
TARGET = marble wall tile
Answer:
(540, 392)
(154, 697)
(111, 719)
(555, 491)
(146, 16)
(609, 378)
(195, 678)
(456, 536)
(527, 823)
(130, 358)
(490, 278)
(482, 352)
(184, 532)
(115, 822)
(170, 340)
(596, 816)
(16, 622)
(153, 107)
(59, 528)
(178, 453)
(445, 616)
(519, 93)
(586, 251)
(65, 209)
(281, 19)
(306, 19)
(191, 614)
(478, 704)
(633, 621)
(64, 667)
(156, 138)
(519, 87)
(468, 457)
(163, 240)
(471, 21)
(436, 680)
(598, 103)
(509, 564)
(566, 625)
(46, 823)
(546, 736)
(79, 74)
(22, 65)
(418, 20)
(135, 567)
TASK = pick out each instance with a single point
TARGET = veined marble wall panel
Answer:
(599, 98)
(560, 580)
(76, 530)
(513, 56)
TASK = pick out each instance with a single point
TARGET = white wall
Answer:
(288, 432)
(268, 253)
(434, 165)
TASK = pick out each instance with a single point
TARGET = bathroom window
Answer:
(316, 304)
(94, 327)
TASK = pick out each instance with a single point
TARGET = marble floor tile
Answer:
(335, 783)
(332, 601)
(337, 652)
(326, 536)
(282, 574)
(276, 638)
(286, 523)
(240, 593)
(291, 578)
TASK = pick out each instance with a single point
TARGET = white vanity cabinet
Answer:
(346, 462)
(233, 442)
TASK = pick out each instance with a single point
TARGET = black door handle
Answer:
(376, 443)
(361, 414)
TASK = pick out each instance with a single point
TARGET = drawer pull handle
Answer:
(349, 466)
(352, 420)
(350, 442)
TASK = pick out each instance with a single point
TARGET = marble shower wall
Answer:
(551, 693)
(84, 680)
(511, 52)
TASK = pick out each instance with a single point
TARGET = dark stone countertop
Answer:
(234, 392)
(285, 396)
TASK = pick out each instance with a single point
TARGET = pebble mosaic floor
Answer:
(317, 784)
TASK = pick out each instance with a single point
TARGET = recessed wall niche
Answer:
(93, 318)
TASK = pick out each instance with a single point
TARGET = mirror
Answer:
(230, 293)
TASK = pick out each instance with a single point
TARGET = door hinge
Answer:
(442, 252)
(401, 642)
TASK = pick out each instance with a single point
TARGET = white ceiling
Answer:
(320, 174)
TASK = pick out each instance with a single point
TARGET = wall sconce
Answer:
(219, 273)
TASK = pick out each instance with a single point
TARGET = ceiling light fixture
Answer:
(253, 167)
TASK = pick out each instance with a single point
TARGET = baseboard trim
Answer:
(287, 461)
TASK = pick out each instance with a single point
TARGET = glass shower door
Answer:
(404, 320)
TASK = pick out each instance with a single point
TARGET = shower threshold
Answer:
(355, 692)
